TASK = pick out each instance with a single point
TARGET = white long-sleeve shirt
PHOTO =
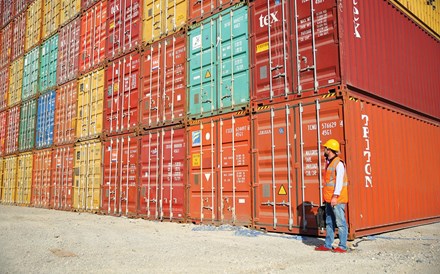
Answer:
(340, 170)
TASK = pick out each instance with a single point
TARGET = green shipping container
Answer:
(28, 116)
(30, 74)
(48, 63)
(219, 64)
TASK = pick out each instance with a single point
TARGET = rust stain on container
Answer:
(68, 51)
(62, 177)
(42, 178)
(65, 114)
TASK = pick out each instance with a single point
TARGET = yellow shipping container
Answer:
(33, 24)
(24, 178)
(15, 81)
(87, 176)
(90, 105)
(51, 17)
(69, 10)
(162, 18)
(9, 180)
(426, 12)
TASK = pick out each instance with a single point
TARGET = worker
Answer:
(335, 198)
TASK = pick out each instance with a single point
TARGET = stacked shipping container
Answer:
(215, 113)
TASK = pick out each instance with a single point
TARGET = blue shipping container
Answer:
(45, 120)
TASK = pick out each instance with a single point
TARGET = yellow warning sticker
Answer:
(282, 191)
(196, 159)
(262, 47)
(208, 74)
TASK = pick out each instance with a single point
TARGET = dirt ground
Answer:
(34, 240)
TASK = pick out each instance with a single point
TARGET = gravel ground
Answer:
(34, 240)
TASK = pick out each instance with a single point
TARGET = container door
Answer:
(62, 177)
(3, 130)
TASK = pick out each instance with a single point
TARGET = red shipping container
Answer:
(219, 178)
(199, 10)
(3, 131)
(4, 87)
(6, 45)
(162, 174)
(13, 125)
(20, 5)
(62, 177)
(7, 10)
(163, 82)
(121, 95)
(65, 114)
(41, 178)
(124, 26)
(386, 191)
(18, 36)
(93, 37)
(68, 51)
(120, 187)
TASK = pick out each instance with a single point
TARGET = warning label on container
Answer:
(262, 47)
(208, 74)
(197, 42)
(282, 191)
(196, 159)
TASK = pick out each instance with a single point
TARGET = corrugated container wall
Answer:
(62, 177)
(162, 18)
(86, 4)
(199, 10)
(218, 64)
(122, 95)
(119, 191)
(5, 45)
(18, 36)
(34, 16)
(15, 82)
(219, 173)
(48, 64)
(31, 74)
(65, 114)
(88, 176)
(124, 26)
(68, 51)
(427, 12)
(7, 9)
(162, 167)
(20, 5)
(90, 105)
(163, 82)
(24, 178)
(3, 131)
(28, 118)
(69, 9)
(41, 178)
(51, 17)
(45, 120)
(4, 87)
(9, 186)
(13, 130)
(2, 170)
(93, 37)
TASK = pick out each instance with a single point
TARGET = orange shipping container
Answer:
(199, 10)
(62, 177)
(391, 182)
(41, 178)
(219, 178)
(65, 114)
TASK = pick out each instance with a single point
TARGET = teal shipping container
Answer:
(48, 64)
(218, 62)
(45, 120)
(30, 74)
(28, 115)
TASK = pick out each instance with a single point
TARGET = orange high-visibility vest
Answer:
(330, 182)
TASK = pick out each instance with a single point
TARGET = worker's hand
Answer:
(334, 201)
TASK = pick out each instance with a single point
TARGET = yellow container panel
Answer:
(9, 180)
(15, 81)
(162, 18)
(427, 12)
(2, 168)
(24, 178)
(51, 17)
(88, 176)
(33, 24)
(90, 105)
(69, 10)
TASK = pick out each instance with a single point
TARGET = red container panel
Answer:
(124, 26)
(86, 4)
(5, 45)
(7, 10)
(199, 10)
(3, 131)
(18, 36)
(121, 95)
(62, 177)
(4, 87)
(41, 178)
(68, 51)
(163, 82)
(20, 5)
(93, 37)
(162, 174)
(65, 114)
(386, 191)
(13, 125)
(120, 187)
(220, 170)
